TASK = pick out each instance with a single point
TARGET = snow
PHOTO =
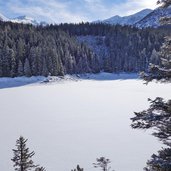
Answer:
(153, 19)
(127, 20)
(97, 44)
(3, 18)
(7, 82)
(24, 20)
(74, 120)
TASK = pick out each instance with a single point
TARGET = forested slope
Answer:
(120, 48)
(76, 48)
(28, 50)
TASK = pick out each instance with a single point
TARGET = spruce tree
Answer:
(158, 115)
(27, 69)
(40, 169)
(20, 71)
(1, 66)
(164, 3)
(161, 72)
(78, 168)
(13, 64)
(45, 70)
(22, 156)
(102, 163)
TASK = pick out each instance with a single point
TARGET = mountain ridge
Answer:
(142, 19)
(126, 20)
(153, 19)
(22, 19)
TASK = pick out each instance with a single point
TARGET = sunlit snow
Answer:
(74, 121)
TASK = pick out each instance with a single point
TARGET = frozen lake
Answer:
(74, 122)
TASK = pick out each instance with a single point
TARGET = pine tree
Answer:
(102, 163)
(40, 169)
(33, 55)
(13, 64)
(22, 157)
(158, 115)
(20, 71)
(161, 72)
(5, 61)
(164, 3)
(1, 66)
(45, 70)
(27, 69)
(78, 168)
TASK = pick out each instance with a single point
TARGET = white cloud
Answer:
(57, 11)
(51, 10)
(122, 9)
(133, 6)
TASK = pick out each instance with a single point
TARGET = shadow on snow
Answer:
(23, 81)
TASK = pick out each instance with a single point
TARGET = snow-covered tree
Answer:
(27, 69)
(22, 156)
(44, 70)
(20, 71)
(78, 168)
(40, 169)
(102, 163)
(158, 117)
(13, 63)
(163, 71)
(164, 3)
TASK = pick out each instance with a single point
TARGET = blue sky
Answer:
(57, 11)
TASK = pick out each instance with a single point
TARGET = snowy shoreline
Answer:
(6, 82)
(70, 122)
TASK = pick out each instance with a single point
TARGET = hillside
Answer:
(76, 48)
(127, 20)
(153, 19)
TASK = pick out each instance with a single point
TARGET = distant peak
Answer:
(24, 17)
(128, 20)
(3, 18)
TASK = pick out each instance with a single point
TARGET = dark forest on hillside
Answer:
(57, 49)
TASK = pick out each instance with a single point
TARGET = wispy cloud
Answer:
(101, 9)
(51, 10)
(57, 11)
(133, 6)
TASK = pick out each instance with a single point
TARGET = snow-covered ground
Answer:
(73, 121)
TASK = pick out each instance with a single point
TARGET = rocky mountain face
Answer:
(3, 18)
(22, 19)
(143, 19)
(153, 18)
(127, 20)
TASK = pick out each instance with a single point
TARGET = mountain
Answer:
(3, 18)
(152, 19)
(127, 20)
(24, 20)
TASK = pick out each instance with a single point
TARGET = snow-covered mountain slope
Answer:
(3, 18)
(127, 20)
(25, 20)
(152, 19)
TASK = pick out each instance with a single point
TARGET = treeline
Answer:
(23, 159)
(64, 49)
(126, 49)
(28, 50)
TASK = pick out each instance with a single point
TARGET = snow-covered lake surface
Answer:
(74, 121)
